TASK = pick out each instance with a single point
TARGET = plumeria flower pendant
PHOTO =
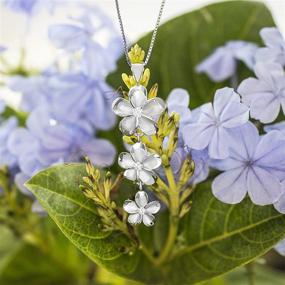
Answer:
(139, 164)
(138, 112)
(140, 210)
(140, 115)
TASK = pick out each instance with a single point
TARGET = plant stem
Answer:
(250, 273)
(173, 217)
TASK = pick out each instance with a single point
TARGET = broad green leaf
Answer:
(57, 189)
(220, 237)
(185, 41)
(214, 237)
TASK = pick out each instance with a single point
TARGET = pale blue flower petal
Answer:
(100, 151)
(198, 136)
(263, 187)
(222, 63)
(276, 127)
(68, 37)
(275, 50)
(266, 94)
(230, 187)
(218, 66)
(280, 247)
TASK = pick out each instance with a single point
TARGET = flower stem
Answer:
(173, 217)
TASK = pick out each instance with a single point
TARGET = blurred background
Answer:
(25, 37)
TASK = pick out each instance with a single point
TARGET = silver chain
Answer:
(126, 49)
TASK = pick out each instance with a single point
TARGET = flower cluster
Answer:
(251, 163)
(65, 109)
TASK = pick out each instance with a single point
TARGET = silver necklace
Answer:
(154, 33)
(140, 115)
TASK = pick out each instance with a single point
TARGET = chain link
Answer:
(126, 49)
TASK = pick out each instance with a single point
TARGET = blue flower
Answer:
(275, 46)
(79, 96)
(222, 63)
(34, 90)
(28, 7)
(6, 127)
(94, 35)
(255, 166)
(178, 101)
(266, 93)
(200, 158)
(212, 129)
(47, 141)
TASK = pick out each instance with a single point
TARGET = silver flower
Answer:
(140, 210)
(139, 164)
(138, 112)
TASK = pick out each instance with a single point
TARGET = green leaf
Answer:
(220, 237)
(214, 237)
(57, 189)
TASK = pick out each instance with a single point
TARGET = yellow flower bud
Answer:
(153, 91)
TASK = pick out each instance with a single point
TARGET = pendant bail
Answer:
(137, 70)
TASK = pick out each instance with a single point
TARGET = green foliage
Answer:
(20, 115)
(45, 259)
(9, 245)
(213, 238)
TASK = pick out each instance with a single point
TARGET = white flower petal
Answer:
(128, 125)
(152, 162)
(138, 152)
(138, 96)
(148, 220)
(153, 107)
(122, 107)
(147, 177)
(135, 219)
(131, 174)
(126, 161)
(147, 126)
(152, 207)
(130, 207)
(141, 199)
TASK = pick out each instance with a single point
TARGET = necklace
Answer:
(154, 33)
(140, 113)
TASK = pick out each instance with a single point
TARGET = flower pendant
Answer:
(140, 115)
